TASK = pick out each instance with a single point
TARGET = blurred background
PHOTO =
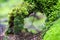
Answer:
(6, 6)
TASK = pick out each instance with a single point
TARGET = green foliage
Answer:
(50, 8)
(43, 5)
(17, 16)
(53, 15)
(20, 15)
(54, 32)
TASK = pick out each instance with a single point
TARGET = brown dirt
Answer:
(25, 36)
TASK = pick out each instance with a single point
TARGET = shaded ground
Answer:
(25, 36)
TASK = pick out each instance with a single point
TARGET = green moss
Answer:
(54, 32)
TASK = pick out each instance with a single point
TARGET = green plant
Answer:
(48, 7)
(16, 19)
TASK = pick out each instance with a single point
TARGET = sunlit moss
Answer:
(54, 32)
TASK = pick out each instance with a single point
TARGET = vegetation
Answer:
(42, 14)
(54, 32)
(48, 7)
